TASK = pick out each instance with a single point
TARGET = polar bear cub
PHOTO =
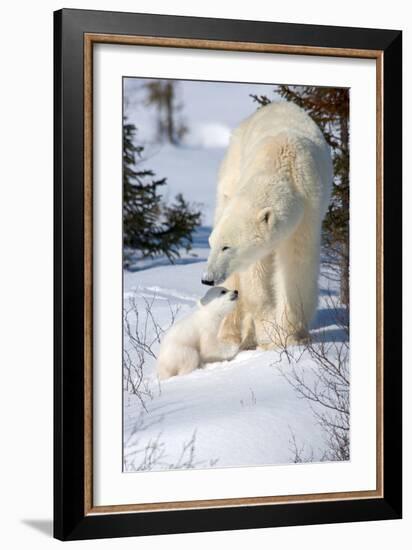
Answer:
(194, 340)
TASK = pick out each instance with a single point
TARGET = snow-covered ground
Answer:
(233, 413)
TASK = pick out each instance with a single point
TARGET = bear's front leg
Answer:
(296, 282)
(258, 304)
(267, 333)
(238, 329)
(227, 350)
(229, 330)
(279, 339)
(276, 332)
(248, 333)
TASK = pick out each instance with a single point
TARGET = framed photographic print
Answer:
(227, 274)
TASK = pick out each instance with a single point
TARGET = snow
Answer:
(232, 413)
(207, 135)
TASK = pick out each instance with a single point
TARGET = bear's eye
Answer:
(225, 248)
(223, 292)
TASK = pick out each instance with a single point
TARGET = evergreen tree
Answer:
(329, 108)
(162, 94)
(149, 224)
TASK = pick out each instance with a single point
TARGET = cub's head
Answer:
(241, 238)
(219, 300)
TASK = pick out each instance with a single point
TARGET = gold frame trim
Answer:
(89, 40)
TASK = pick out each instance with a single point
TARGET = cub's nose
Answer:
(234, 295)
(207, 279)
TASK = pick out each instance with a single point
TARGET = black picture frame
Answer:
(70, 520)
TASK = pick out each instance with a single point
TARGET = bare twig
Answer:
(327, 387)
(153, 456)
(141, 333)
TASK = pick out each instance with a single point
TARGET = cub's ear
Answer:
(265, 217)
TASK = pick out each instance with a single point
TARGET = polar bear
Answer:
(194, 340)
(273, 191)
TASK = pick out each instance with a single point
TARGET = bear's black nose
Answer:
(208, 282)
(236, 292)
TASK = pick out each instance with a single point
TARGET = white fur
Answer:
(273, 192)
(195, 340)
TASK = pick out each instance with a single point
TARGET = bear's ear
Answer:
(265, 217)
